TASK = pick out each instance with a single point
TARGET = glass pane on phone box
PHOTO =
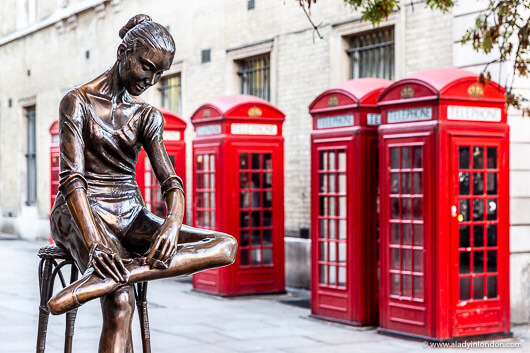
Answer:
(491, 261)
(407, 285)
(405, 157)
(394, 183)
(332, 252)
(394, 157)
(492, 234)
(407, 259)
(332, 182)
(478, 183)
(478, 235)
(342, 206)
(256, 256)
(267, 236)
(332, 229)
(243, 219)
(267, 256)
(405, 208)
(342, 183)
(406, 234)
(464, 209)
(417, 183)
(206, 200)
(405, 183)
(200, 198)
(332, 275)
(332, 160)
(267, 218)
(342, 252)
(492, 158)
(267, 180)
(418, 260)
(492, 209)
(478, 288)
(255, 218)
(244, 237)
(394, 208)
(323, 205)
(418, 287)
(256, 159)
(478, 157)
(394, 284)
(342, 229)
(212, 162)
(417, 231)
(463, 157)
(394, 233)
(478, 261)
(492, 286)
(342, 276)
(200, 181)
(243, 257)
(323, 160)
(323, 274)
(322, 228)
(206, 183)
(465, 288)
(243, 199)
(417, 208)
(323, 182)
(255, 199)
(342, 160)
(255, 184)
(394, 258)
(464, 183)
(243, 181)
(417, 157)
(200, 165)
(323, 251)
(464, 262)
(464, 237)
(267, 198)
(256, 237)
(491, 183)
(243, 161)
(267, 161)
(332, 206)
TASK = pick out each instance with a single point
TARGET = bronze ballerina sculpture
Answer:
(99, 215)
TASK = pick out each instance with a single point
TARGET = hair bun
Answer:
(134, 21)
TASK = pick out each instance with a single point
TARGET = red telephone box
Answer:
(238, 189)
(173, 136)
(444, 206)
(344, 202)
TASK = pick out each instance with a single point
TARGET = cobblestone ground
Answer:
(183, 321)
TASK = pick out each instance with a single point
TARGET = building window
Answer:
(372, 54)
(31, 160)
(255, 76)
(171, 91)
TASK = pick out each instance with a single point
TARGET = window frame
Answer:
(165, 89)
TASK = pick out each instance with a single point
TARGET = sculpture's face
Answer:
(142, 68)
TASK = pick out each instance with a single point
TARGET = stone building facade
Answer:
(49, 46)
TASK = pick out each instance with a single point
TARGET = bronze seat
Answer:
(53, 259)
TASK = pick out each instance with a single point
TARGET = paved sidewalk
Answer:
(185, 322)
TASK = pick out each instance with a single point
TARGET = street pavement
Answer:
(184, 321)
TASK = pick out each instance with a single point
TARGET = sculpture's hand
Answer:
(106, 262)
(164, 246)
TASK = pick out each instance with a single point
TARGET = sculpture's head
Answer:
(147, 50)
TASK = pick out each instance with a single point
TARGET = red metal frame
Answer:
(344, 202)
(174, 128)
(244, 134)
(437, 109)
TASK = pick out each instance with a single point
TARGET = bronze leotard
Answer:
(102, 160)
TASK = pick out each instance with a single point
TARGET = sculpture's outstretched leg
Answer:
(198, 250)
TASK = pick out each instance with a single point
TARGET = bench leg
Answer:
(45, 272)
(141, 303)
(70, 316)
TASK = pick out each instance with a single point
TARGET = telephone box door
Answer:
(260, 219)
(405, 238)
(332, 212)
(478, 223)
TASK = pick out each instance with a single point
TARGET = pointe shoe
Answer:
(88, 287)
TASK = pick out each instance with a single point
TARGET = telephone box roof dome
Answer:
(357, 91)
(172, 120)
(234, 106)
(442, 82)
